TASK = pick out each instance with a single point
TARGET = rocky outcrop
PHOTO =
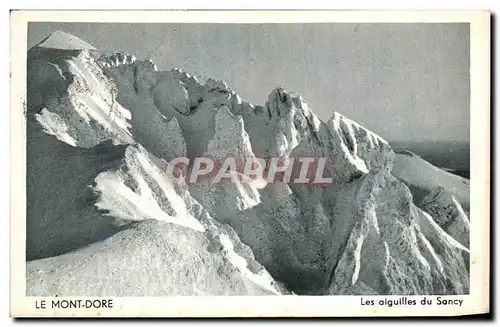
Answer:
(74, 99)
(116, 59)
(448, 214)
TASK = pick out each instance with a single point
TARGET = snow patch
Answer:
(54, 125)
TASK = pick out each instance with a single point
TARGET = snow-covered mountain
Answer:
(103, 217)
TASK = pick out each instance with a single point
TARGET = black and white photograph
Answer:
(279, 159)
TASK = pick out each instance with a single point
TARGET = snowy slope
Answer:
(422, 178)
(102, 129)
(150, 258)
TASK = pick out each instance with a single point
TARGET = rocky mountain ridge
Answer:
(101, 129)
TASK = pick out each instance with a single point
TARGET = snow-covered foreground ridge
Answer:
(104, 217)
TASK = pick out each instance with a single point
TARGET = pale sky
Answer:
(406, 82)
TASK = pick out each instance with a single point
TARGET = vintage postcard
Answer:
(250, 163)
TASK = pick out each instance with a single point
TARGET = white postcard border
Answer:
(256, 306)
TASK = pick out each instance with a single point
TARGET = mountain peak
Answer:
(64, 41)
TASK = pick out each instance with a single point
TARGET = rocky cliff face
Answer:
(102, 129)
